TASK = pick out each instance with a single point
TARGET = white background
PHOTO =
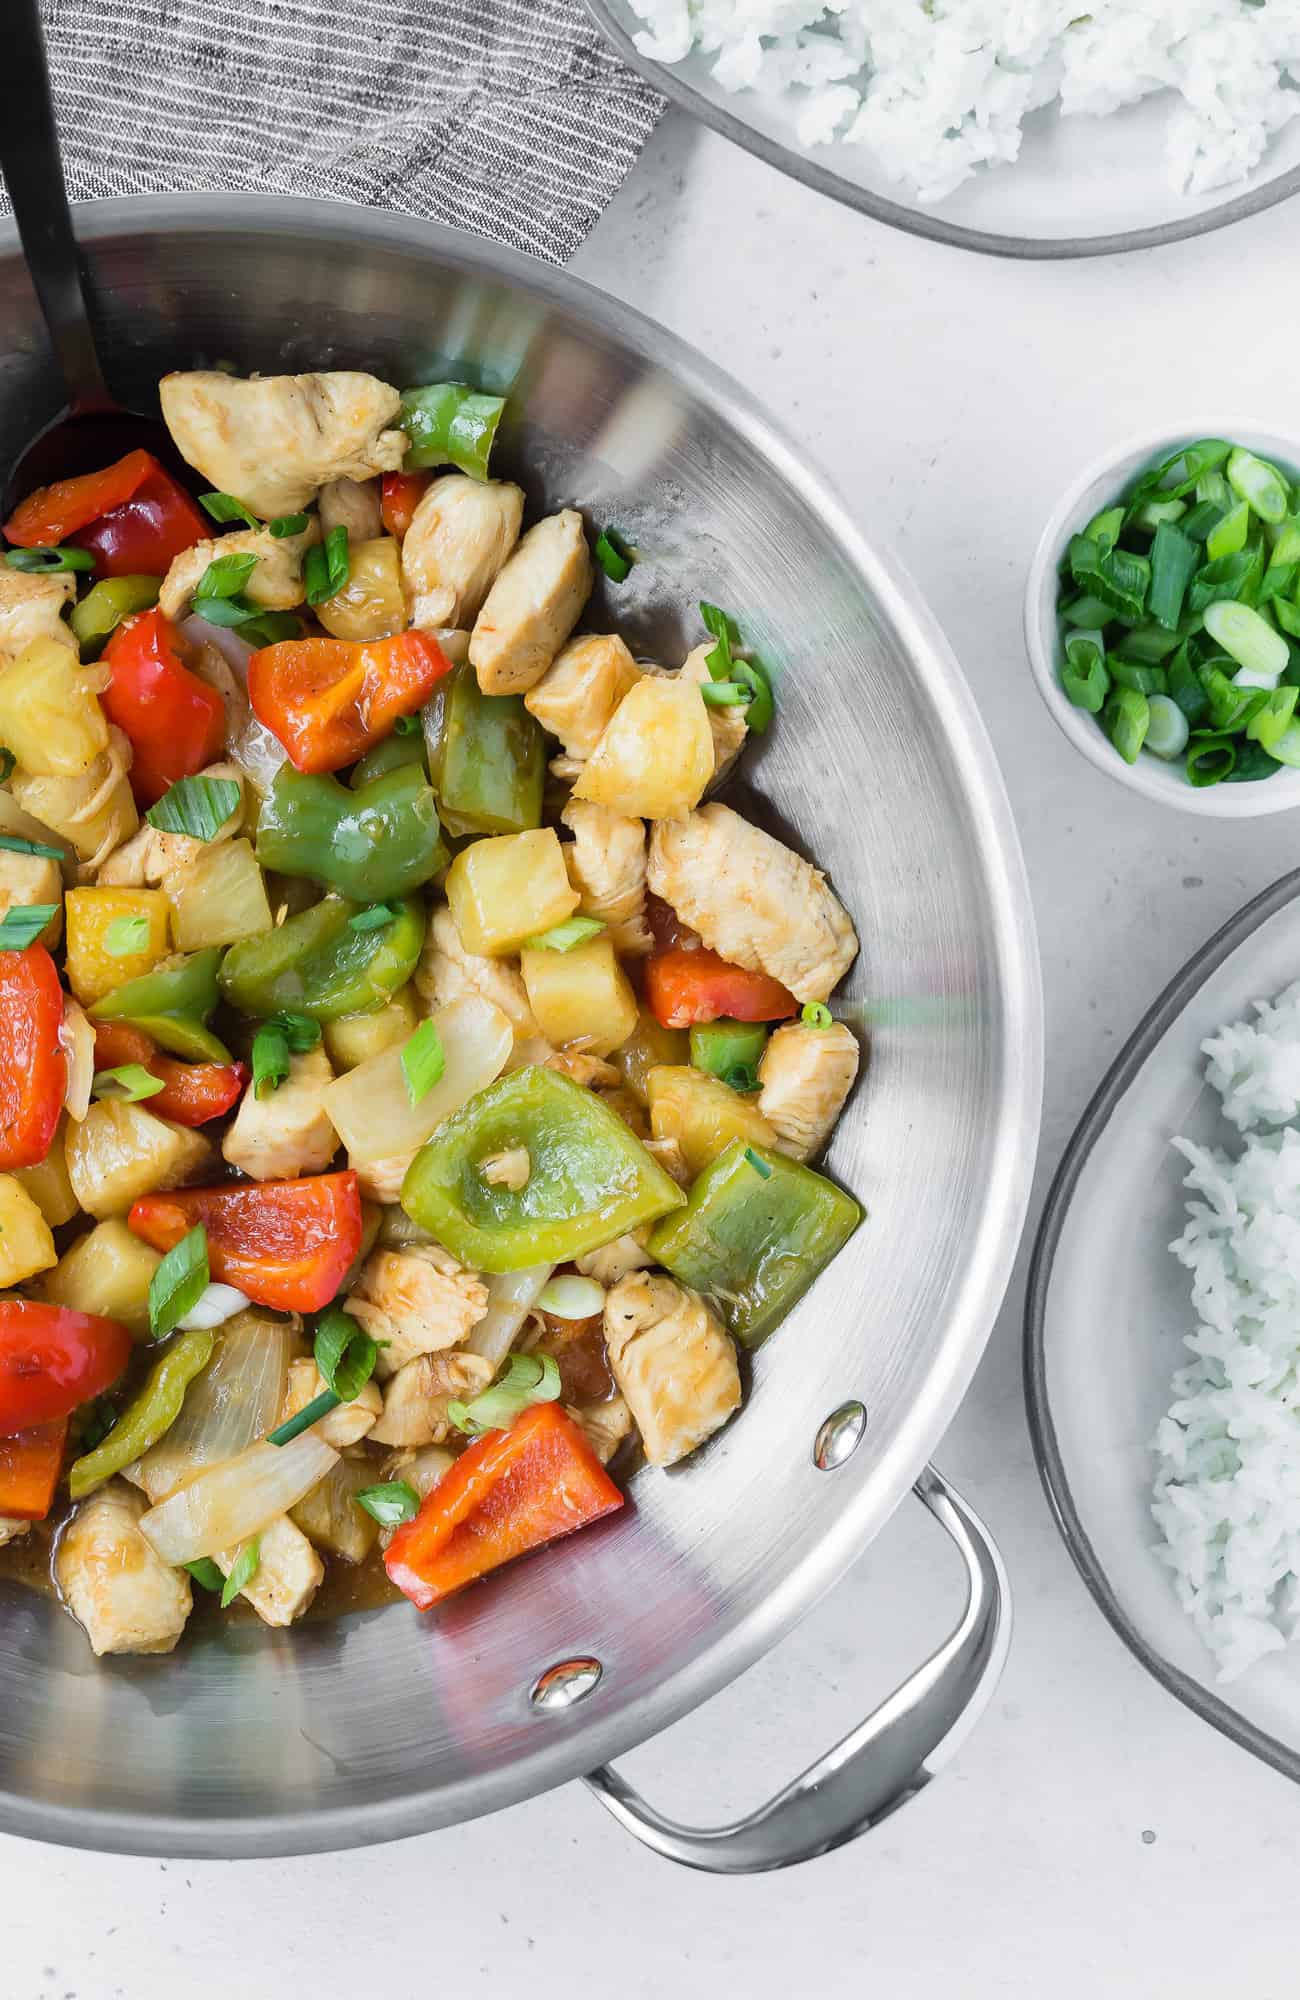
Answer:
(1093, 1838)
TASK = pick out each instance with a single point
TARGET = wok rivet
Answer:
(565, 1684)
(840, 1436)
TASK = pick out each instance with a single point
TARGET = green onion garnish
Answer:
(270, 1058)
(613, 554)
(227, 507)
(11, 844)
(1210, 760)
(816, 1014)
(130, 1084)
(269, 628)
(374, 918)
(8, 765)
(311, 1413)
(724, 694)
(225, 576)
(564, 937)
(199, 807)
(179, 1282)
(345, 1353)
(45, 562)
(125, 935)
(408, 725)
(758, 1163)
(523, 1379)
(285, 525)
(300, 1031)
(1259, 484)
(423, 1061)
(390, 1504)
(1126, 718)
(753, 675)
(1174, 560)
(741, 1076)
(205, 1572)
(242, 1571)
(720, 627)
(23, 923)
(1083, 674)
(327, 567)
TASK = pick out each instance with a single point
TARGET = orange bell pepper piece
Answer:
(284, 1244)
(191, 1093)
(30, 1464)
(685, 988)
(330, 700)
(133, 517)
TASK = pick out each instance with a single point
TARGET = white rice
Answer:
(1227, 1488)
(937, 88)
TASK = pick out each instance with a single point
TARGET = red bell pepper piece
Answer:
(132, 516)
(286, 1244)
(33, 1065)
(30, 1464)
(508, 1493)
(174, 721)
(401, 494)
(191, 1093)
(331, 700)
(687, 987)
(52, 1359)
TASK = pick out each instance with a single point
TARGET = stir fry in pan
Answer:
(408, 1073)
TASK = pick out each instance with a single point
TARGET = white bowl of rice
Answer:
(1104, 482)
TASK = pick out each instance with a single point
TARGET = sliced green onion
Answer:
(23, 923)
(752, 675)
(11, 844)
(1248, 639)
(45, 562)
(742, 1077)
(227, 507)
(300, 1031)
(1148, 644)
(130, 1084)
(1132, 674)
(1182, 470)
(408, 725)
(1119, 578)
(1258, 483)
(1230, 706)
(242, 1570)
(327, 567)
(126, 935)
(1238, 576)
(722, 628)
(816, 1014)
(1229, 532)
(1272, 721)
(1210, 760)
(1253, 764)
(724, 694)
(449, 423)
(1174, 559)
(270, 1058)
(1167, 727)
(374, 918)
(1104, 528)
(179, 1282)
(1150, 513)
(1286, 541)
(199, 807)
(613, 554)
(285, 525)
(1287, 616)
(225, 576)
(8, 765)
(303, 1419)
(205, 1572)
(390, 1504)
(269, 628)
(1086, 611)
(1185, 688)
(1286, 750)
(345, 1353)
(523, 1379)
(423, 1061)
(758, 1163)
(1125, 719)
(231, 613)
(1083, 674)
(563, 937)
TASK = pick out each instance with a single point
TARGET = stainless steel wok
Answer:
(254, 1742)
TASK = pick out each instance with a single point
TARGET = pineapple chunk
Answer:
(94, 811)
(48, 1184)
(50, 715)
(32, 878)
(107, 1271)
(330, 1517)
(26, 1245)
(354, 1039)
(504, 890)
(220, 897)
(95, 963)
(581, 996)
(371, 604)
(649, 1045)
(703, 1114)
(121, 1151)
(655, 755)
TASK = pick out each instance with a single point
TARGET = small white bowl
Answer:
(1098, 487)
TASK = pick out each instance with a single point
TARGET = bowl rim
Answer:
(914, 222)
(1148, 776)
(1048, 1455)
(578, 1741)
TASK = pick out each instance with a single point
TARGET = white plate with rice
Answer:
(1174, 1470)
(1028, 128)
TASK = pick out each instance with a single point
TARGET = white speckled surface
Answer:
(1093, 1838)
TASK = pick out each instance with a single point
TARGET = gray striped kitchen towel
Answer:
(507, 117)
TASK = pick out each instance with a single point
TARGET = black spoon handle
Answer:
(33, 172)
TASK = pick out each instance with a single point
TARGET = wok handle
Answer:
(881, 1764)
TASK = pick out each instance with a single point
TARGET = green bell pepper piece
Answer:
(590, 1180)
(172, 1003)
(487, 757)
(316, 964)
(449, 423)
(730, 1049)
(153, 1411)
(383, 840)
(755, 1240)
(395, 750)
(106, 604)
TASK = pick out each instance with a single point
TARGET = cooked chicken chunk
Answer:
(147, 859)
(278, 1137)
(533, 606)
(672, 1159)
(11, 1529)
(381, 1180)
(416, 1398)
(752, 900)
(580, 691)
(456, 546)
(419, 1300)
(277, 439)
(32, 878)
(806, 1074)
(447, 969)
(288, 1574)
(613, 1261)
(276, 583)
(606, 864)
(353, 504)
(32, 607)
(728, 725)
(592, 1072)
(347, 1424)
(127, 1598)
(604, 1425)
(673, 1361)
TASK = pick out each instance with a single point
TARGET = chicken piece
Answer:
(287, 1133)
(533, 606)
(150, 856)
(11, 1530)
(353, 504)
(419, 1300)
(276, 440)
(668, 1152)
(728, 725)
(32, 878)
(592, 1072)
(673, 1361)
(381, 1180)
(447, 969)
(606, 863)
(753, 900)
(580, 691)
(511, 1168)
(613, 1261)
(416, 1399)
(276, 583)
(32, 607)
(604, 1425)
(460, 537)
(805, 1075)
(288, 1574)
(123, 1593)
(347, 1424)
